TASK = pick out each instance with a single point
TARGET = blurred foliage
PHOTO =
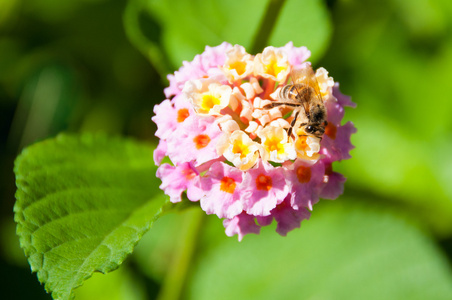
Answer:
(395, 73)
(92, 65)
(118, 285)
(172, 31)
(369, 254)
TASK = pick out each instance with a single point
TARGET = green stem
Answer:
(267, 24)
(175, 279)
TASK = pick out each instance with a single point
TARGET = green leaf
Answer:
(83, 202)
(183, 28)
(345, 251)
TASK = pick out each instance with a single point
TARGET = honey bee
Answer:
(303, 94)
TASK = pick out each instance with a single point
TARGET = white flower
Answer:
(239, 149)
(207, 97)
(275, 142)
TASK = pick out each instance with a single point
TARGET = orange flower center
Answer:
(301, 143)
(227, 185)
(188, 173)
(182, 114)
(263, 183)
(330, 131)
(328, 169)
(201, 141)
(303, 174)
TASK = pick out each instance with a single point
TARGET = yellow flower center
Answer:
(227, 185)
(240, 147)
(239, 66)
(209, 101)
(273, 69)
(273, 144)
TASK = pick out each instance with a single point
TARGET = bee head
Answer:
(315, 129)
(309, 129)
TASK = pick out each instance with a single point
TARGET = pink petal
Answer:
(341, 98)
(201, 66)
(335, 112)
(160, 152)
(296, 55)
(165, 118)
(182, 145)
(217, 201)
(340, 147)
(259, 202)
(241, 225)
(305, 194)
(176, 180)
(334, 187)
(289, 218)
(194, 190)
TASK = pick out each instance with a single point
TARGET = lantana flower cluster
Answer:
(233, 154)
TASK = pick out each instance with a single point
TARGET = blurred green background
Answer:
(100, 65)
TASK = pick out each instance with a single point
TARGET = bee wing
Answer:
(306, 76)
(300, 75)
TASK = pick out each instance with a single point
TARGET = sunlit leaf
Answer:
(83, 202)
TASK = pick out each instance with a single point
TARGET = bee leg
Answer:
(292, 124)
(271, 105)
(276, 104)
